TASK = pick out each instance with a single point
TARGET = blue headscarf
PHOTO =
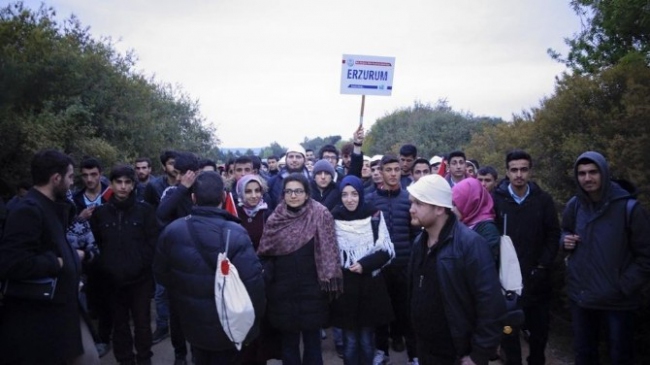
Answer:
(363, 210)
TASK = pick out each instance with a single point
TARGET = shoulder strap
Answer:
(199, 245)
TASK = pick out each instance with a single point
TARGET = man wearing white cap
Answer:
(295, 162)
(455, 297)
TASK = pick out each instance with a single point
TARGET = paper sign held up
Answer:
(367, 75)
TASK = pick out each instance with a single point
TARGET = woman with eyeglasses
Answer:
(302, 268)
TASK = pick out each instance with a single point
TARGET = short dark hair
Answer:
(328, 148)
(122, 170)
(46, 163)
(299, 178)
(272, 157)
(257, 162)
(90, 163)
(374, 163)
(309, 149)
(25, 185)
(166, 155)
(186, 161)
(408, 150)
(243, 160)
(347, 149)
(488, 170)
(207, 162)
(456, 153)
(208, 189)
(420, 161)
(518, 155)
(143, 159)
(386, 159)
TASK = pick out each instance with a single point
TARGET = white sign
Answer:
(367, 75)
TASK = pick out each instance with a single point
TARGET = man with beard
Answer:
(34, 246)
(295, 163)
(143, 171)
(125, 231)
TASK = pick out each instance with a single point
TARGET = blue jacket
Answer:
(469, 285)
(395, 206)
(179, 265)
(611, 262)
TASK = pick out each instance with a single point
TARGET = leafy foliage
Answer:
(60, 88)
(614, 30)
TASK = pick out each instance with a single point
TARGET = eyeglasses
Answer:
(329, 158)
(297, 192)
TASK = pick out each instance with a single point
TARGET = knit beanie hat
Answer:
(323, 165)
(297, 148)
(432, 189)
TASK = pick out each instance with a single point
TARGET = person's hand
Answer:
(571, 241)
(60, 259)
(86, 213)
(81, 254)
(187, 179)
(358, 135)
(356, 268)
(466, 360)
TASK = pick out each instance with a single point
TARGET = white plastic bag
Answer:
(509, 270)
(236, 312)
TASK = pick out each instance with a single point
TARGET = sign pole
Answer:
(363, 104)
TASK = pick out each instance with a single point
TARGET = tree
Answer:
(612, 30)
(61, 88)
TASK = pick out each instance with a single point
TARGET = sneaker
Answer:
(380, 358)
(414, 361)
(102, 348)
(398, 345)
(159, 334)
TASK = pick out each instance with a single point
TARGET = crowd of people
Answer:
(392, 252)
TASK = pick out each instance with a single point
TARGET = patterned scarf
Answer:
(287, 231)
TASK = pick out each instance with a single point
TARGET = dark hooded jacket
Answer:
(330, 197)
(534, 229)
(611, 261)
(187, 269)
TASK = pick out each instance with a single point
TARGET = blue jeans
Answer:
(586, 325)
(291, 348)
(359, 346)
(162, 307)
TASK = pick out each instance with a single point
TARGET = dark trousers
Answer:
(176, 333)
(99, 298)
(587, 324)
(132, 302)
(396, 284)
(205, 357)
(312, 348)
(426, 356)
(537, 323)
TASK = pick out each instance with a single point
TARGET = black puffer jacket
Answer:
(395, 206)
(611, 262)
(330, 197)
(470, 288)
(180, 266)
(126, 234)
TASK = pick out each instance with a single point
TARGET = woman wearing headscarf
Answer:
(300, 256)
(364, 248)
(253, 212)
(474, 207)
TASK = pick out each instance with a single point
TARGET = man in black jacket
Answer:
(455, 298)
(34, 246)
(125, 231)
(530, 219)
(185, 263)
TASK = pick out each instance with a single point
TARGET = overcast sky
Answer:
(269, 70)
